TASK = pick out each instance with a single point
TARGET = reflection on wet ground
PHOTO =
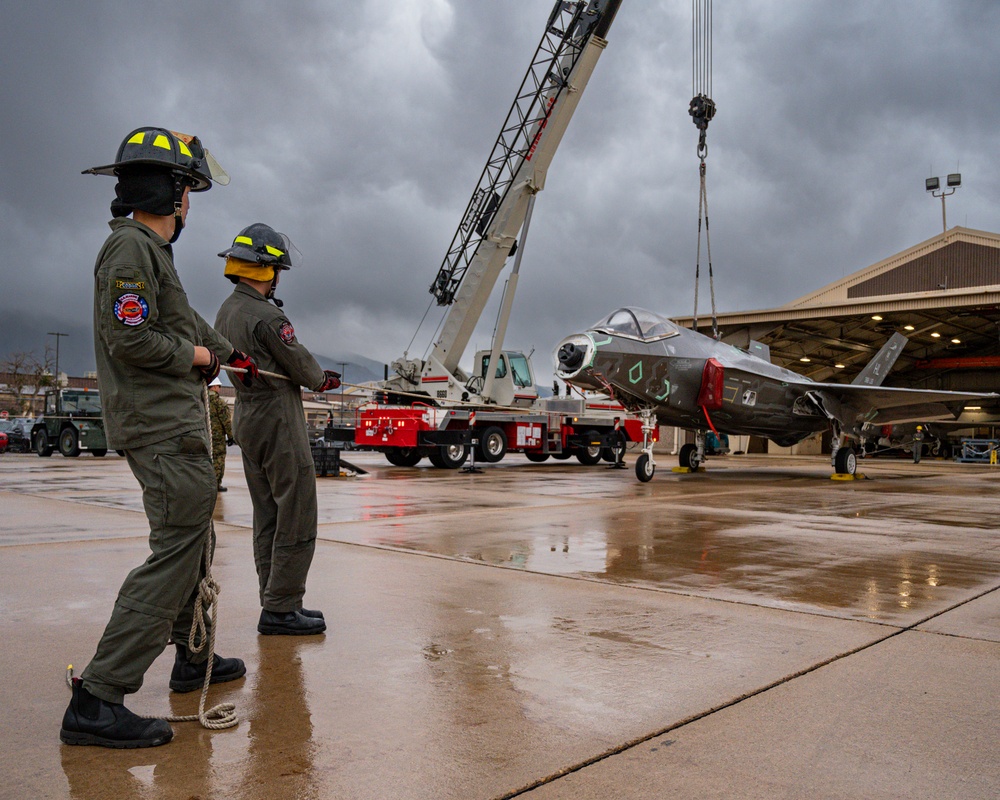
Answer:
(621, 609)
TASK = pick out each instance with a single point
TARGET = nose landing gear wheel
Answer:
(644, 468)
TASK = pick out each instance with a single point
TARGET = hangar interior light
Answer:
(936, 335)
(876, 317)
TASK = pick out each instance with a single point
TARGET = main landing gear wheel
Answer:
(846, 461)
(449, 456)
(644, 468)
(689, 457)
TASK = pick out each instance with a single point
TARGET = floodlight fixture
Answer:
(935, 335)
(933, 185)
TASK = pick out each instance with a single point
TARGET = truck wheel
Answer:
(492, 445)
(644, 468)
(404, 456)
(536, 458)
(590, 454)
(69, 443)
(42, 446)
(449, 456)
(99, 453)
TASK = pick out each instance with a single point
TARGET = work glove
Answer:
(210, 371)
(243, 361)
(332, 381)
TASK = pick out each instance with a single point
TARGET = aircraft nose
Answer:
(571, 356)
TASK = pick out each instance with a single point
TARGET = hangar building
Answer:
(943, 294)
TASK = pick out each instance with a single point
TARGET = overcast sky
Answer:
(360, 129)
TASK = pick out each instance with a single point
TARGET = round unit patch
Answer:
(287, 332)
(131, 309)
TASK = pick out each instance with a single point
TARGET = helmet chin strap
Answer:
(178, 202)
(274, 285)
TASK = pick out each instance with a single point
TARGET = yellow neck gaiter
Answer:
(248, 269)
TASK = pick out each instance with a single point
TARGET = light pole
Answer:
(343, 369)
(933, 185)
(57, 335)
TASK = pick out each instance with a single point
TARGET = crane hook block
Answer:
(702, 109)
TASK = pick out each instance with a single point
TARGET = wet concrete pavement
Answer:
(552, 630)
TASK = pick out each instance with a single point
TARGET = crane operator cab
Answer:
(513, 381)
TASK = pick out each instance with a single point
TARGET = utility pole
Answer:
(57, 335)
(343, 369)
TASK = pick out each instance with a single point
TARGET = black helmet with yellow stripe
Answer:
(259, 253)
(179, 153)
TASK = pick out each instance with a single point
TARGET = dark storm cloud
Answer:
(360, 129)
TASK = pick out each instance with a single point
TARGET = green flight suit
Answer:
(222, 430)
(270, 428)
(154, 410)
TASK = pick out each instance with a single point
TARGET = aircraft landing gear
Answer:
(644, 465)
(842, 457)
(692, 456)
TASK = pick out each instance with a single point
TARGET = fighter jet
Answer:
(676, 376)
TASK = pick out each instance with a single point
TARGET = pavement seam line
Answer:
(619, 749)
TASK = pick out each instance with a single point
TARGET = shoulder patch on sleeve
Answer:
(287, 332)
(131, 309)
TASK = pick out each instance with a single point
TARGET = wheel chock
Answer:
(843, 476)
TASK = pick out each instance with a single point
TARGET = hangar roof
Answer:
(948, 285)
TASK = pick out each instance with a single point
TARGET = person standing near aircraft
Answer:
(154, 355)
(222, 430)
(271, 430)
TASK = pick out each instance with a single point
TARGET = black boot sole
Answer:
(80, 738)
(282, 630)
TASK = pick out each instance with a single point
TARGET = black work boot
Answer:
(289, 623)
(91, 720)
(305, 612)
(186, 677)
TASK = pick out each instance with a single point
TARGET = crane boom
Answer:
(516, 169)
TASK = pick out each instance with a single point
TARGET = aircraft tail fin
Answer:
(878, 368)
(760, 350)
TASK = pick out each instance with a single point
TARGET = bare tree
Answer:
(25, 375)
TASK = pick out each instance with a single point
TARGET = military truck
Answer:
(72, 422)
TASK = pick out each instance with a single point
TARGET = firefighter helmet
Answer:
(179, 153)
(262, 244)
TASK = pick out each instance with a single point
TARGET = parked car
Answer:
(3, 442)
(18, 432)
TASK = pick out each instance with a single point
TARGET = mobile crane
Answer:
(498, 408)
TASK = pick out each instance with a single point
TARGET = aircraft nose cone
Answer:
(570, 356)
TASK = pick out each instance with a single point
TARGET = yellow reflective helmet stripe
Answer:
(243, 240)
(183, 148)
(274, 251)
(137, 138)
(161, 141)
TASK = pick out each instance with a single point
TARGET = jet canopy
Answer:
(637, 323)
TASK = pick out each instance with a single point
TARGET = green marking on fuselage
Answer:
(635, 373)
(601, 344)
(666, 392)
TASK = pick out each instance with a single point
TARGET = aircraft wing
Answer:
(881, 405)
